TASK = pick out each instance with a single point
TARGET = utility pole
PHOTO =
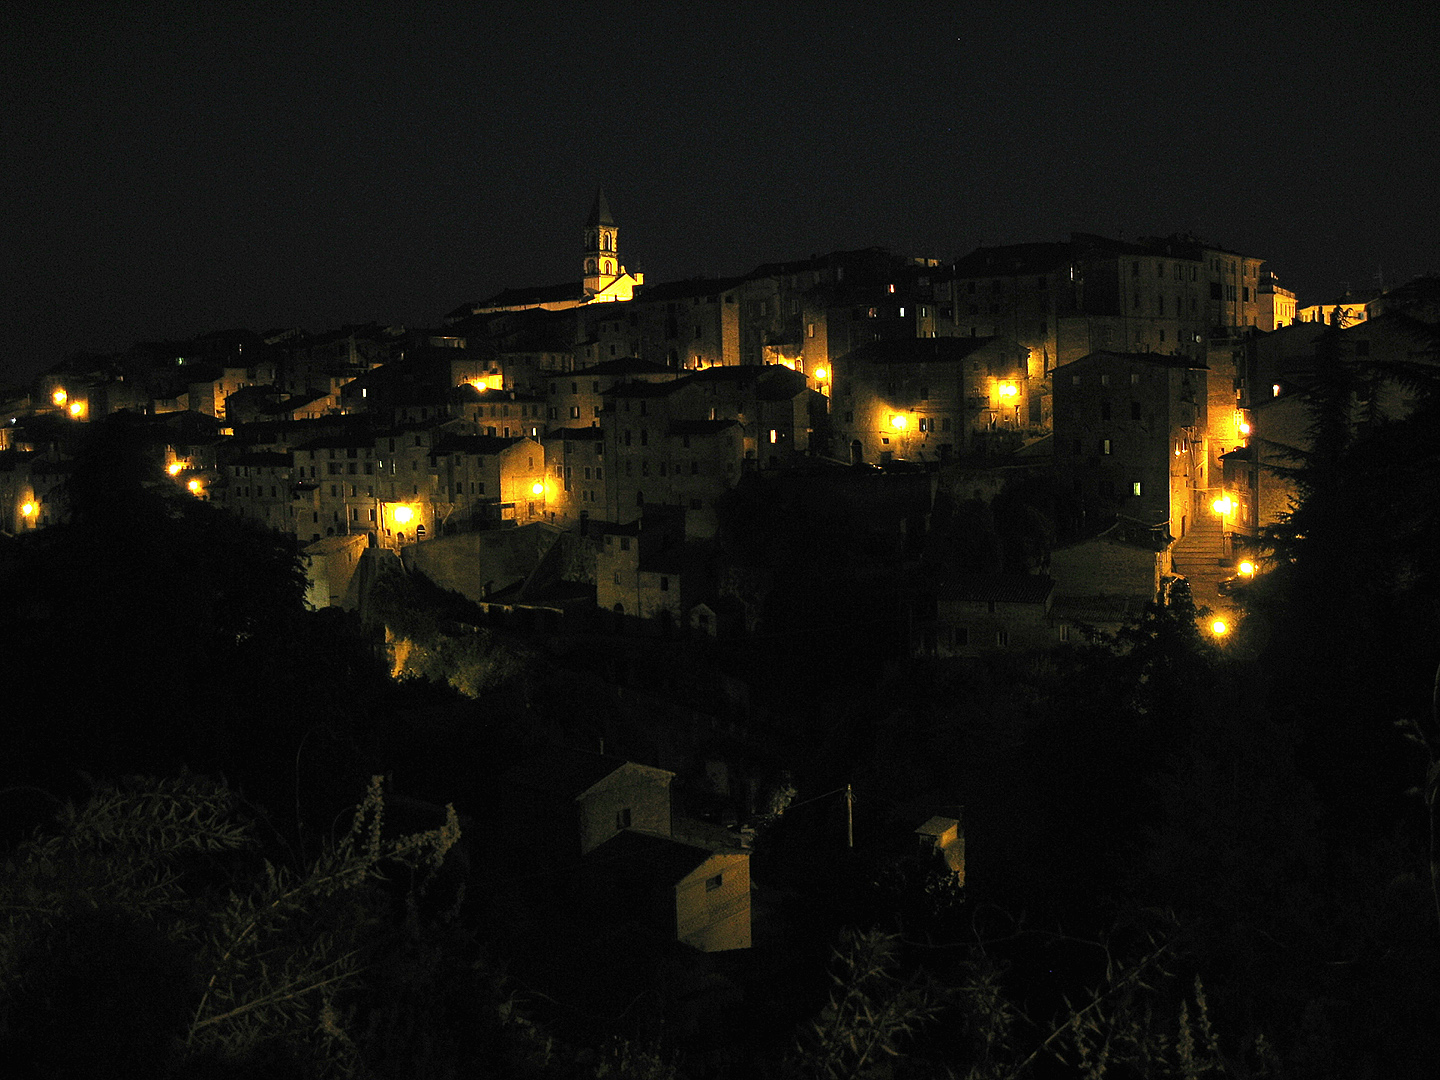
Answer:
(849, 816)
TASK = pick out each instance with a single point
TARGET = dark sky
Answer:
(172, 168)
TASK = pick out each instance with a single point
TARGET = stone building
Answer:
(929, 400)
(1130, 437)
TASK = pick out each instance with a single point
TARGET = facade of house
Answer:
(934, 399)
(1130, 436)
(979, 613)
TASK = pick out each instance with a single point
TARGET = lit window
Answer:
(1135, 487)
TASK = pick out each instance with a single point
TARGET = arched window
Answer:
(589, 266)
(609, 267)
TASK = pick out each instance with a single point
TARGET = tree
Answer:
(208, 953)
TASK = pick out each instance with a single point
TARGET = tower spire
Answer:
(602, 254)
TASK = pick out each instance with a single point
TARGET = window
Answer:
(1134, 410)
(622, 818)
(713, 883)
(1002, 638)
(624, 543)
(664, 584)
(1104, 446)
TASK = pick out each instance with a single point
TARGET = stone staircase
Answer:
(1199, 556)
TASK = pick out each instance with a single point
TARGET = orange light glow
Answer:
(1009, 390)
(77, 409)
(822, 373)
(175, 468)
(899, 422)
(537, 488)
(195, 487)
(1223, 505)
(403, 514)
(1219, 628)
(27, 509)
(59, 397)
(488, 382)
(1246, 568)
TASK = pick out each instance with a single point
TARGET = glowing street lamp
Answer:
(1219, 628)
(822, 374)
(537, 488)
(899, 421)
(1223, 506)
(175, 468)
(77, 409)
(404, 514)
(1246, 568)
(194, 487)
(59, 397)
(28, 508)
(1008, 391)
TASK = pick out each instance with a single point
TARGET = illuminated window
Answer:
(1135, 488)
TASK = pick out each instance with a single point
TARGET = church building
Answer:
(605, 277)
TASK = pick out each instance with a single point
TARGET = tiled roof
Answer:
(1000, 588)
(940, 350)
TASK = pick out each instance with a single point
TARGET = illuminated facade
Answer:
(1276, 308)
(929, 400)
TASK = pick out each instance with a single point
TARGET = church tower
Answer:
(602, 256)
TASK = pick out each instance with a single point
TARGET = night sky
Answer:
(173, 168)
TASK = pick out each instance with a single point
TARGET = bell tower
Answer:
(602, 256)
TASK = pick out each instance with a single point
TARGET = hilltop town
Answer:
(841, 612)
(608, 422)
